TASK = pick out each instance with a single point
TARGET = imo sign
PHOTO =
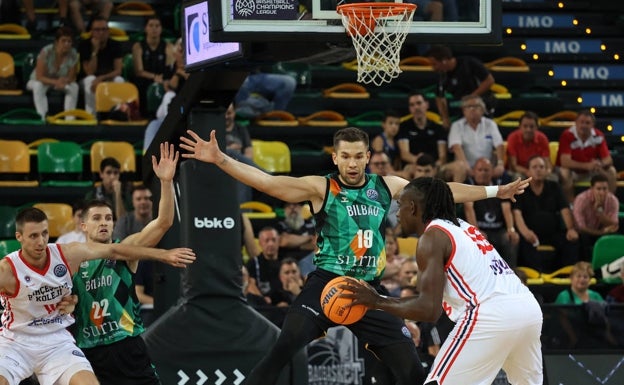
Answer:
(193, 24)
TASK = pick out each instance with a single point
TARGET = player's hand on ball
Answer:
(361, 293)
(179, 257)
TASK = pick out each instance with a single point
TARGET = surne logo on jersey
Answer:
(479, 239)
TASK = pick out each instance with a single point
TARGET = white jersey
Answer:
(475, 271)
(32, 310)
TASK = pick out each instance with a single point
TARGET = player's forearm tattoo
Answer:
(224, 161)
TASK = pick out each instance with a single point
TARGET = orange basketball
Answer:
(335, 308)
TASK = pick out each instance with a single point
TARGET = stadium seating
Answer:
(272, 156)
(8, 246)
(607, 249)
(60, 164)
(122, 151)
(15, 164)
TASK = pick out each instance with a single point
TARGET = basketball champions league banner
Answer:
(265, 9)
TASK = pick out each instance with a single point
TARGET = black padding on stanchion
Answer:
(212, 332)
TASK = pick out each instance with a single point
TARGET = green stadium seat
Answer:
(8, 246)
(60, 164)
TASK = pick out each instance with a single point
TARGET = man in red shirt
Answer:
(526, 142)
(583, 152)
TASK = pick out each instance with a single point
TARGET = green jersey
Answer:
(108, 309)
(351, 228)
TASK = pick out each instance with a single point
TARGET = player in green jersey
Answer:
(108, 323)
(350, 209)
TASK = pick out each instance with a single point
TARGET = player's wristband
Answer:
(491, 191)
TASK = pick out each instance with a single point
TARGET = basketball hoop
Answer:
(378, 31)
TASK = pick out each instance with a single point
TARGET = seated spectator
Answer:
(264, 92)
(460, 76)
(291, 284)
(252, 299)
(111, 188)
(407, 273)
(141, 214)
(525, 142)
(493, 217)
(31, 17)
(419, 135)
(176, 82)
(595, 214)
(153, 60)
(101, 60)
(297, 237)
(55, 68)
(538, 215)
(475, 136)
(264, 268)
(426, 166)
(394, 260)
(579, 291)
(379, 164)
(583, 152)
(98, 8)
(76, 235)
(386, 141)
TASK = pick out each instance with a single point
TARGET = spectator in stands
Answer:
(379, 164)
(386, 141)
(425, 166)
(31, 17)
(111, 188)
(55, 68)
(133, 222)
(101, 60)
(526, 142)
(297, 237)
(579, 291)
(141, 214)
(538, 214)
(238, 146)
(583, 152)
(459, 76)
(394, 260)
(595, 214)
(98, 8)
(153, 60)
(76, 235)
(264, 268)
(263, 92)
(177, 80)
(252, 299)
(291, 284)
(475, 136)
(616, 295)
(248, 238)
(493, 217)
(408, 272)
(419, 135)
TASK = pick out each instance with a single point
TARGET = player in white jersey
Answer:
(33, 281)
(498, 320)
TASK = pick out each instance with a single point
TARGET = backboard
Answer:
(466, 21)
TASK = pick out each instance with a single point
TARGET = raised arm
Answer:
(77, 252)
(165, 170)
(285, 188)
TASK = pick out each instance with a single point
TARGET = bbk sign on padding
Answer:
(214, 223)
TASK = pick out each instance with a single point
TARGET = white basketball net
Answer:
(377, 37)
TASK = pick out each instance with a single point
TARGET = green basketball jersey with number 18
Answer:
(351, 228)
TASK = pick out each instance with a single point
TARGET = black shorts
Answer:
(123, 363)
(377, 328)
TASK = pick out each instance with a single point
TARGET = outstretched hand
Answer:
(510, 190)
(206, 151)
(361, 293)
(179, 257)
(166, 167)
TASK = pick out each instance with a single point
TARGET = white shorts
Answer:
(500, 333)
(49, 357)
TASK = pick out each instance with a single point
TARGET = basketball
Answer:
(335, 307)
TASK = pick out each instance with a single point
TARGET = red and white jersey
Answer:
(475, 271)
(32, 310)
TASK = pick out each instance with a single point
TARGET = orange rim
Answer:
(363, 16)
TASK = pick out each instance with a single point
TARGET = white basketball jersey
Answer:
(32, 310)
(474, 271)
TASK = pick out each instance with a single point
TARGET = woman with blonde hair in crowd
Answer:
(579, 291)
